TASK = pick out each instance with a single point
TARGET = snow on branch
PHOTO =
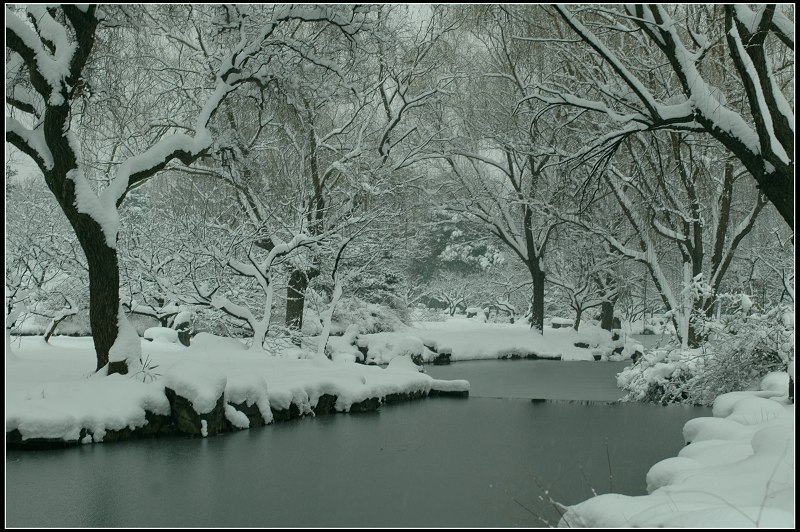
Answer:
(763, 139)
(54, 64)
(30, 142)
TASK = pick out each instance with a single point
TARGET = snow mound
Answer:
(384, 347)
(775, 381)
(342, 348)
(403, 363)
(48, 394)
(470, 340)
(183, 317)
(236, 418)
(207, 343)
(161, 334)
(249, 389)
(59, 410)
(755, 410)
(737, 471)
(450, 386)
(202, 385)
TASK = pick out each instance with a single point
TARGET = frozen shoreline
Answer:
(737, 470)
(54, 398)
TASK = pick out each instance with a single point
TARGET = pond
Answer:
(481, 462)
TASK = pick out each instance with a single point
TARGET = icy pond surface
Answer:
(483, 461)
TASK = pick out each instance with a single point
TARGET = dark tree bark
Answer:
(578, 314)
(296, 298)
(607, 315)
(103, 296)
(537, 297)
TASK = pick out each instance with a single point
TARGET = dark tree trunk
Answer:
(537, 299)
(103, 295)
(296, 299)
(163, 320)
(578, 314)
(53, 326)
(607, 315)
(702, 307)
(101, 260)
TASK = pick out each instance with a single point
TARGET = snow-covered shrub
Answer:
(381, 348)
(342, 348)
(740, 350)
(423, 313)
(476, 313)
(370, 317)
(659, 325)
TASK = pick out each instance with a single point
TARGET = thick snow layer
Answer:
(342, 348)
(183, 317)
(403, 363)
(63, 402)
(53, 392)
(161, 334)
(469, 340)
(384, 347)
(738, 471)
(127, 346)
(206, 343)
(450, 386)
(202, 385)
(237, 419)
(243, 387)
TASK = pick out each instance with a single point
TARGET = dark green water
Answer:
(481, 462)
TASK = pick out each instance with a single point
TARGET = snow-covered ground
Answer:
(737, 471)
(52, 390)
(472, 339)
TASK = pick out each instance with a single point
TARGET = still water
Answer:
(483, 461)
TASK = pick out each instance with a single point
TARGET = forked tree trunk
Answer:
(578, 314)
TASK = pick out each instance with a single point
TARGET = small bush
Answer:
(370, 317)
(740, 350)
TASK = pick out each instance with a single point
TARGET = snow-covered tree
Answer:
(43, 260)
(502, 165)
(49, 49)
(689, 84)
(678, 191)
(584, 273)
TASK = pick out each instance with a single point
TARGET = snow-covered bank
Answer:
(736, 471)
(469, 339)
(52, 392)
